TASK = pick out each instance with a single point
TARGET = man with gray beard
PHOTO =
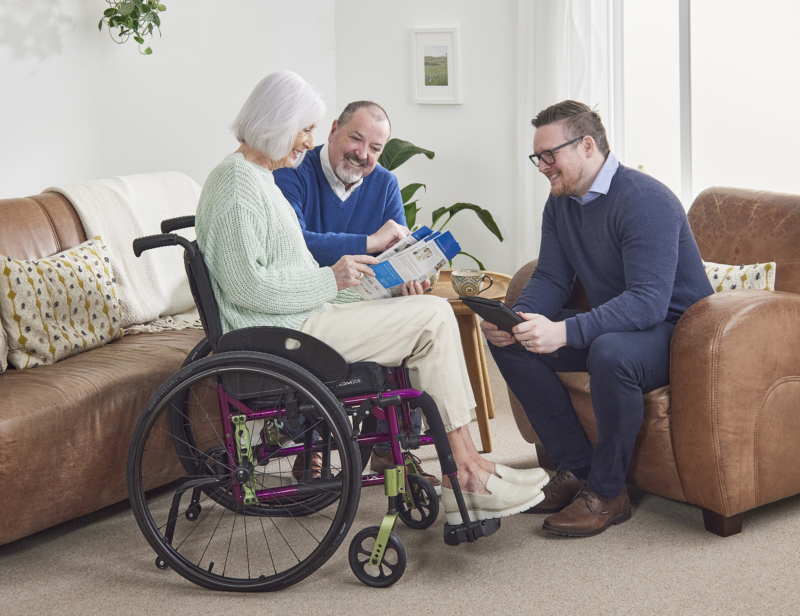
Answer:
(347, 204)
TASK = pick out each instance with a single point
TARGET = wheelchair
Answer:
(209, 467)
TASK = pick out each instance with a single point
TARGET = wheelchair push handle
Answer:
(140, 244)
(173, 224)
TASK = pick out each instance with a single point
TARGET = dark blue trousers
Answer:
(621, 366)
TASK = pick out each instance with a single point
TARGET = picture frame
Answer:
(437, 66)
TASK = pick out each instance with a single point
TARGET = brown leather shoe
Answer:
(316, 466)
(589, 515)
(559, 493)
(377, 464)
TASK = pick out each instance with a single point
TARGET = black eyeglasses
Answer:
(548, 156)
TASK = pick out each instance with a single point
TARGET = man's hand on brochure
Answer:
(350, 269)
(539, 334)
(413, 287)
(386, 237)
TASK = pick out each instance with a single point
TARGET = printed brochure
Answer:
(418, 257)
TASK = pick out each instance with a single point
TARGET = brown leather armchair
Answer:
(724, 434)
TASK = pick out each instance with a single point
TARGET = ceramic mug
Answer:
(469, 281)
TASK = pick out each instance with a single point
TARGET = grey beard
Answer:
(347, 176)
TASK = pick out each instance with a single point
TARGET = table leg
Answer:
(485, 369)
(470, 340)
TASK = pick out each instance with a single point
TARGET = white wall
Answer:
(475, 142)
(76, 107)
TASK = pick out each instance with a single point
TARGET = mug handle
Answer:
(491, 282)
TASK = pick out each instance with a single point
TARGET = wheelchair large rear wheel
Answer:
(185, 499)
(188, 449)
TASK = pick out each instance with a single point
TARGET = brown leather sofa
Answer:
(65, 428)
(724, 434)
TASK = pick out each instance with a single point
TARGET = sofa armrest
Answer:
(735, 399)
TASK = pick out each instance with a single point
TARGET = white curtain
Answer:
(567, 49)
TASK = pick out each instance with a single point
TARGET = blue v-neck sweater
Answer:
(633, 251)
(332, 227)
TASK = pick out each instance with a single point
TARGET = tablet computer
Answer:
(498, 313)
(493, 311)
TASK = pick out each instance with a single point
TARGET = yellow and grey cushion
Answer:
(733, 277)
(59, 306)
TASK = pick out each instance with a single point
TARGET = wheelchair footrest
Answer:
(459, 533)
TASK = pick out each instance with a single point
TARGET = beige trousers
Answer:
(421, 329)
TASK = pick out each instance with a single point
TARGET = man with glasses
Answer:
(627, 238)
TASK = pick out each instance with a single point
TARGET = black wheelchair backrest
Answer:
(309, 352)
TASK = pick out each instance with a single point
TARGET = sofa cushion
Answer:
(69, 425)
(59, 306)
(760, 276)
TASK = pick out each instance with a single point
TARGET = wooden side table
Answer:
(472, 341)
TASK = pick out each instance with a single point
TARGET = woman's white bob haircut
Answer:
(280, 106)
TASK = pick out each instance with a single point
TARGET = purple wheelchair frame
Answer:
(265, 452)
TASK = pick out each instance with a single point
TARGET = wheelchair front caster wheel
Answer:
(193, 512)
(392, 566)
(426, 503)
(161, 563)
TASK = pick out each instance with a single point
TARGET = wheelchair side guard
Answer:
(308, 352)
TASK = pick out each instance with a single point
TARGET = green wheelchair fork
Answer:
(244, 454)
(394, 484)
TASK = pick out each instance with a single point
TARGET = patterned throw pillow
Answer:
(732, 277)
(59, 306)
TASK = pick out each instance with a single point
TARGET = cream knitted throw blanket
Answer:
(153, 287)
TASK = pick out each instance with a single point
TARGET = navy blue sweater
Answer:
(332, 227)
(633, 251)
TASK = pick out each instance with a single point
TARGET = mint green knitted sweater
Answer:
(251, 241)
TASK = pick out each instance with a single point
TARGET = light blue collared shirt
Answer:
(601, 182)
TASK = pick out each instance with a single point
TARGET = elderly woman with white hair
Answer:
(263, 274)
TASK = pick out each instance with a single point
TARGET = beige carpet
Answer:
(661, 562)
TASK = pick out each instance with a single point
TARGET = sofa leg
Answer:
(721, 525)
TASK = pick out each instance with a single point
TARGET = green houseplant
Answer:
(398, 152)
(133, 18)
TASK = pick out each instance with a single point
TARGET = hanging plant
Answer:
(133, 18)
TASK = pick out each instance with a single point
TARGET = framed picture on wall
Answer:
(437, 66)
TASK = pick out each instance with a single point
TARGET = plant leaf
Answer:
(484, 215)
(161, 7)
(138, 39)
(110, 12)
(156, 20)
(148, 51)
(411, 211)
(408, 191)
(397, 151)
(100, 25)
(126, 8)
(437, 214)
(480, 265)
